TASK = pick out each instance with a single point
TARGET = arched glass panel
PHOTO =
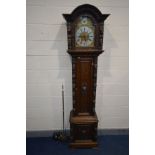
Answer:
(84, 32)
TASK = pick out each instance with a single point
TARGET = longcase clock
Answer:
(85, 38)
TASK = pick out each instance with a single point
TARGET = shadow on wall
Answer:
(104, 63)
(65, 71)
(108, 44)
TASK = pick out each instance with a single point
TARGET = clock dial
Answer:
(84, 35)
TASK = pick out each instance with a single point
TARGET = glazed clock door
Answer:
(84, 86)
(84, 32)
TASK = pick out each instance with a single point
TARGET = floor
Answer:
(108, 145)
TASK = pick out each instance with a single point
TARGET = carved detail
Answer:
(101, 35)
(84, 89)
(69, 35)
(73, 81)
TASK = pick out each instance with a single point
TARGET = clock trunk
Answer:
(83, 86)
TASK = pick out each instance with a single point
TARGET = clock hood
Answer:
(88, 9)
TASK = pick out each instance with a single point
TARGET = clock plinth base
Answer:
(83, 131)
(83, 144)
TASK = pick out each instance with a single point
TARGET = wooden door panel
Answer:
(83, 132)
(84, 86)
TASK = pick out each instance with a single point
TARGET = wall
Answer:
(49, 65)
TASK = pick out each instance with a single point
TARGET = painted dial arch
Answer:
(84, 33)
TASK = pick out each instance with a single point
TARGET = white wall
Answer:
(49, 65)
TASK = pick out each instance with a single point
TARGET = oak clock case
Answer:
(85, 39)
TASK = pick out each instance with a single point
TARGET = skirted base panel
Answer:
(83, 144)
(83, 131)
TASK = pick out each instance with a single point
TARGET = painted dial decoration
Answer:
(84, 34)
